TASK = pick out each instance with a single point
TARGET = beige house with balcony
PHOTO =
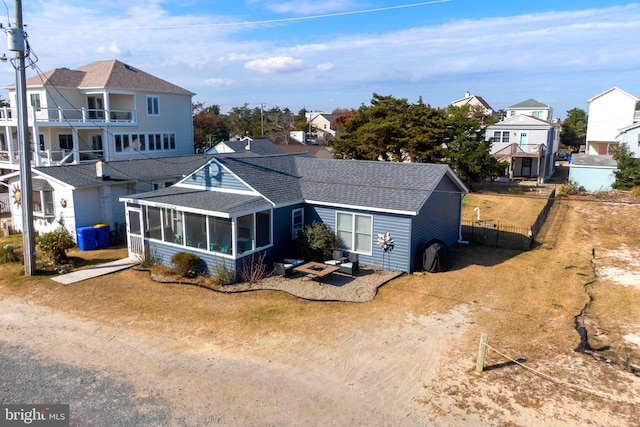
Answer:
(105, 110)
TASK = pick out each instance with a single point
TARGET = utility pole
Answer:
(16, 40)
(261, 119)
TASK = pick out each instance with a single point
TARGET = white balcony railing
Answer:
(70, 116)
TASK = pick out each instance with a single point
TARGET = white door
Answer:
(135, 242)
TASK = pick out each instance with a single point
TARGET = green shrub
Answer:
(316, 242)
(8, 254)
(569, 188)
(185, 263)
(222, 275)
(55, 244)
(515, 190)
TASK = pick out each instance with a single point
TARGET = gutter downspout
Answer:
(464, 242)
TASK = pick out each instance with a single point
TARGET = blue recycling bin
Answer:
(102, 235)
(86, 238)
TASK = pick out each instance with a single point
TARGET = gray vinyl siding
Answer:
(164, 251)
(438, 219)
(399, 226)
(212, 179)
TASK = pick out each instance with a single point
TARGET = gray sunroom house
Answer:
(236, 206)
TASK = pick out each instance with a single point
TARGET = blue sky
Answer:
(327, 54)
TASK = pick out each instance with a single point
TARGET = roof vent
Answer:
(103, 170)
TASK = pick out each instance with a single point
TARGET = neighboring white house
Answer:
(532, 108)
(474, 102)
(631, 136)
(321, 123)
(105, 110)
(612, 113)
(527, 143)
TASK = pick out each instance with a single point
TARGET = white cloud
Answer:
(112, 50)
(311, 7)
(216, 82)
(327, 66)
(278, 64)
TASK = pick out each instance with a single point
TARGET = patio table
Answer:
(316, 269)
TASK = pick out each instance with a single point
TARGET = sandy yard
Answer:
(407, 358)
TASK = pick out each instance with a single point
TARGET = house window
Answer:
(355, 231)
(41, 141)
(159, 185)
(35, 101)
(254, 231)
(153, 223)
(96, 142)
(43, 202)
(263, 229)
(96, 107)
(195, 226)
(122, 143)
(501, 136)
(153, 105)
(538, 114)
(65, 142)
(297, 222)
(169, 140)
(144, 142)
(219, 234)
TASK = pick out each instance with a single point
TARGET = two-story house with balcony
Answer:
(613, 120)
(612, 114)
(105, 110)
(527, 143)
(103, 116)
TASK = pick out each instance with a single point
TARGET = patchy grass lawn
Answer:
(516, 211)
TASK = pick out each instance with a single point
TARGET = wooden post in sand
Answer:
(482, 351)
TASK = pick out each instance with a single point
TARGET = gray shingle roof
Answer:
(530, 103)
(368, 184)
(84, 175)
(592, 160)
(262, 147)
(203, 199)
(111, 74)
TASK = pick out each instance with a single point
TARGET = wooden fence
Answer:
(497, 235)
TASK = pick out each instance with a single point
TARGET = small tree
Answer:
(55, 244)
(316, 242)
(628, 172)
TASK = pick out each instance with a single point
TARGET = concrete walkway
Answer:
(95, 271)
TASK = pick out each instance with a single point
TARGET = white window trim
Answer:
(350, 248)
(294, 231)
(153, 113)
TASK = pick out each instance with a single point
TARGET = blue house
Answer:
(236, 206)
(593, 172)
